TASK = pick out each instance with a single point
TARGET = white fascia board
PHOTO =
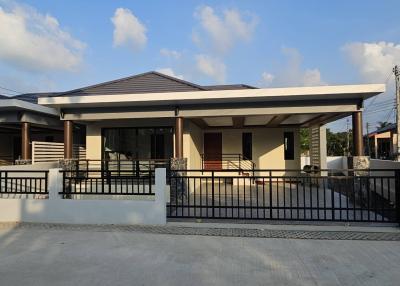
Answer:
(16, 104)
(218, 96)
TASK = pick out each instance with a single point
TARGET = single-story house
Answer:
(152, 116)
(383, 142)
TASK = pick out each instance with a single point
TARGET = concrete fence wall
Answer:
(148, 210)
(332, 162)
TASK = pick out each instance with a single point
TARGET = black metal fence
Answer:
(99, 182)
(28, 182)
(327, 195)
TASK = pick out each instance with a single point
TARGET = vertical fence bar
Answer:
(5, 181)
(212, 193)
(397, 194)
(270, 195)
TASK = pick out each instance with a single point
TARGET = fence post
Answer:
(160, 196)
(54, 183)
(397, 193)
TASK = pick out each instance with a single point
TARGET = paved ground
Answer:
(57, 255)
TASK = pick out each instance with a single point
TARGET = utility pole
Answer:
(396, 71)
(348, 138)
(368, 148)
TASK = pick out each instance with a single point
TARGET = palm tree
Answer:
(382, 124)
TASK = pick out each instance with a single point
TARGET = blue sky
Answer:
(61, 45)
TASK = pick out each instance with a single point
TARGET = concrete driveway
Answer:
(40, 256)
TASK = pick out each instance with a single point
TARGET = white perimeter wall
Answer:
(58, 210)
(333, 162)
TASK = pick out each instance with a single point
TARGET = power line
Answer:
(8, 89)
(388, 77)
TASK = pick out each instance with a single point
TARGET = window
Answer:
(49, 139)
(247, 146)
(137, 143)
(289, 145)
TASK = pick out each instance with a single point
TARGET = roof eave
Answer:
(360, 92)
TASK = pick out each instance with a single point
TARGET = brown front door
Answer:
(213, 151)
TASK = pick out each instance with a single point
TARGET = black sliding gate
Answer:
(329, 195)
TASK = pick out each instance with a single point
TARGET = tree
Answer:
(382, 124)
(304, 140)
(337, 143)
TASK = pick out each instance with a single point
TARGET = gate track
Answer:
(211, 231)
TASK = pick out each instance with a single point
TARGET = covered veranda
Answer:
(191, 114)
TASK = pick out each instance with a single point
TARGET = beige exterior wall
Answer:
(93, 141)
(268, 148)
(192, 145)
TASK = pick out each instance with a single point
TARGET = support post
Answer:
(357, 134)
(179, 137)
(26, 139)
(68, 138)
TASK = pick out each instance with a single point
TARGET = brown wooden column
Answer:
(357, 134)
(26, 139)
(179, 137)
(68, 138)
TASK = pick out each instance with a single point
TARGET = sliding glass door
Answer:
(137, 143)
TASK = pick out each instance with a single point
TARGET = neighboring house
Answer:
(22, 121)
(383, 142)
(153, 116)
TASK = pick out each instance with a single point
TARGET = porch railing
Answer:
(28, 182)
(355, 196)
(135, 167)
(236, 162)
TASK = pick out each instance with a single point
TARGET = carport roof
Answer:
(12, 104)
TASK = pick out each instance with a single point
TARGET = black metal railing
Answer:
(233, 162)
(134, 167)
(356, 196)
(98, 182)
(23, 182)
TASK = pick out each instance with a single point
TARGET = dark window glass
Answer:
(247, 146)
(289, 145)
(49, 139)
(137, 143)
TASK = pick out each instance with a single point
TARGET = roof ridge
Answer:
(129, 78)
(179, 80)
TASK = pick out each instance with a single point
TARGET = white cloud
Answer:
(211, 67)
(170, 53)
(170, 72)
(223, 31)
(128, 30)
(35, 41)
(267, 78)
(374, 61)
(292, 73)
